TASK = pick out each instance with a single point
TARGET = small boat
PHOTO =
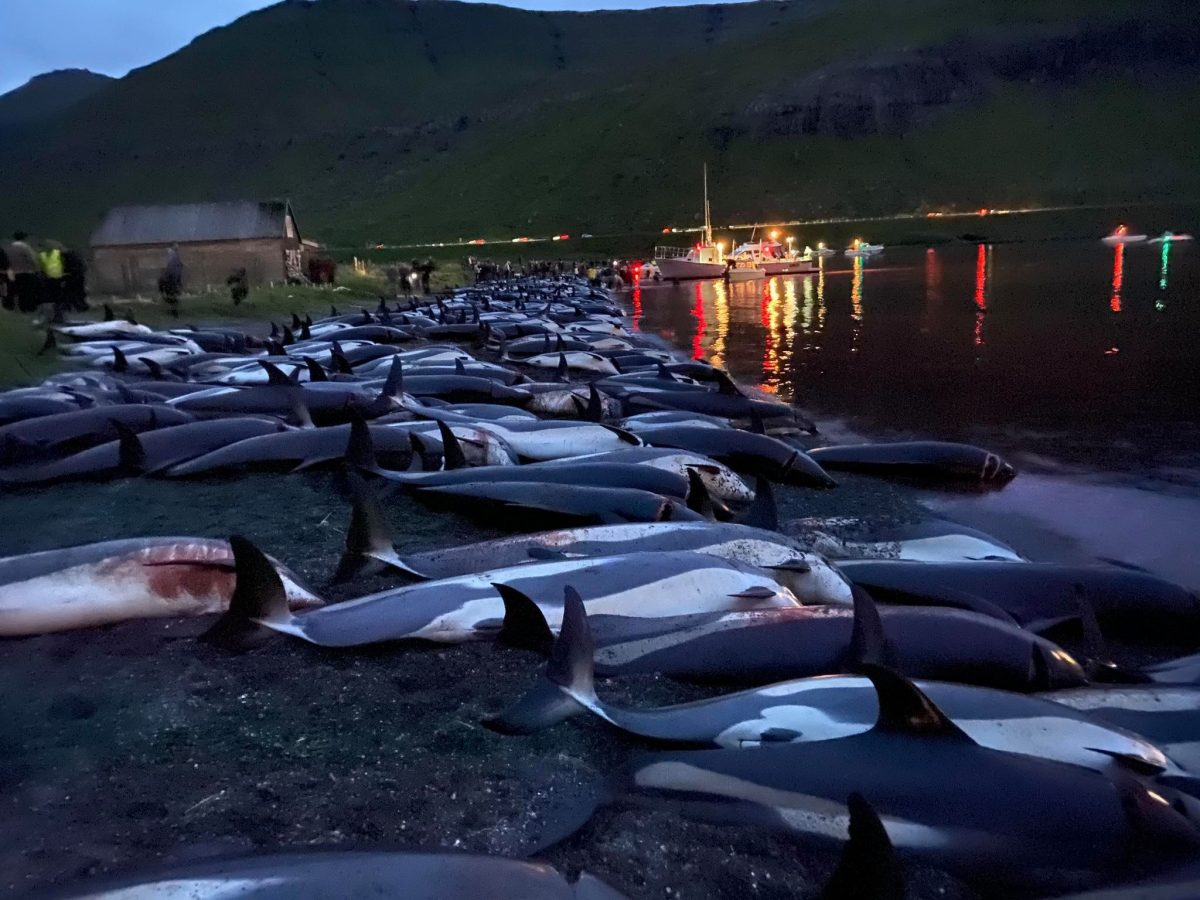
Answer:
(773, 258)
(704, 260)
(1122, 236)
(1170, 237)
(822, 250)
(861, 248)
(744, 270)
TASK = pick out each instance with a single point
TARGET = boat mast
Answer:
(707, 212)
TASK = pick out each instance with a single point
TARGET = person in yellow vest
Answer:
(51, 261)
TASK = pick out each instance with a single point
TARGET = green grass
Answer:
(403, 122)
(21, 361)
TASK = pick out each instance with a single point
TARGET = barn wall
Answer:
(135, 269)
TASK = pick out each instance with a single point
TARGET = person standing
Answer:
(170, 282)
(5, 298)
(50, 260)
(23, 264)
(74, 281)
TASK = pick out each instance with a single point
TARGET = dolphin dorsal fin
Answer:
(459, 368)
(155, 370)
(120, 363)
(394, 385)
(338, 360)
(109, 315)
(452, 453)
(274, 374)
(296, 323)
(360, 448)
(524, 625)
(869, 867)
(288, 337)
(315, 372)
(561, 373)
(904, 708)
(131, 455)
(368, 536)
(868, 646)
(763, 512)
(595, 406)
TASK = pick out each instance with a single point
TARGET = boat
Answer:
(1170, 237)
(744, 269)
(824, 251)
(1122, 236)
(703, 260)
(861, 248)
(774, 259)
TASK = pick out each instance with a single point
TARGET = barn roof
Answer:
(190, 222)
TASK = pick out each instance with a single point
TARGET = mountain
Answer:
(49, 95)
(394, 120)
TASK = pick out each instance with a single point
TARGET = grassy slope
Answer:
(389, 121)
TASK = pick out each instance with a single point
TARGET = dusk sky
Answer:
(114, 36)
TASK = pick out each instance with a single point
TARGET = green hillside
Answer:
(393, 121)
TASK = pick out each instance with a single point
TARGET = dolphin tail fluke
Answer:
(567, 685)
(763, 512)
(869, 867)
(369, 548)
(258, 600)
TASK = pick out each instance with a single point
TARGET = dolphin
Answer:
(112, 581)
(617, 475)
(318, 874)
(148, 453)
(721, 482)
(369, 549)
(817, 709)
(1037, 596)
(757, 454)
(68, 432)
(1167, 714)
(466, 608)
(942, 797)
(926, 460)
(764, 646)
(603, 505)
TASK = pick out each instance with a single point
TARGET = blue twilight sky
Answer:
(114, 36)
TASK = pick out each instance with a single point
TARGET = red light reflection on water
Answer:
(981, 273)
(1114, 302)
(701, 325)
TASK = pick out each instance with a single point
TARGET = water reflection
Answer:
(1118, 277)
(701, 325)
(982, 265)
(721, 298)
(856, 302)
(636, 298)
(1162, 275)
(933, 289)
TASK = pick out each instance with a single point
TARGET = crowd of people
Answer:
(598, 272)
(43, 272)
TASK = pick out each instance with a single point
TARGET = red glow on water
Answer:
(1114, 302)
(701, 325)
(981, 277)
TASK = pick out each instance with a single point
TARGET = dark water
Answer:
(1078, 361)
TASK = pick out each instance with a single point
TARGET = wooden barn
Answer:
(129, 249)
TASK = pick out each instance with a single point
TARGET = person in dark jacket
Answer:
(26, 274)
(170, 282)
(5, 298)
(74, 282)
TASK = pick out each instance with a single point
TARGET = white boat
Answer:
(774, 259)
(1122, 236)
(822, 250)
(1169, 237)
(859, 248)
(744, 270)
(704, 260)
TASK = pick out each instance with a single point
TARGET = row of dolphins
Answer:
(901, 694)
